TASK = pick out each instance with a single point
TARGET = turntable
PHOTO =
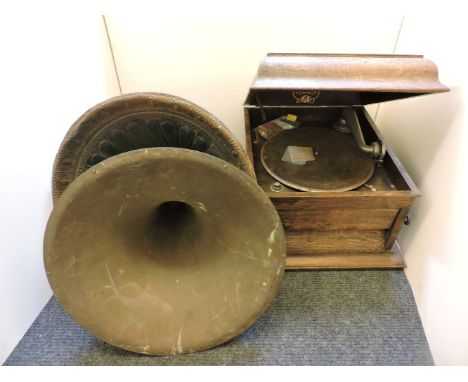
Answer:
(339, 188)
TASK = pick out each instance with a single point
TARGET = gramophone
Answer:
(340, 190)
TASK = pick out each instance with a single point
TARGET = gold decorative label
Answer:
(305, 96)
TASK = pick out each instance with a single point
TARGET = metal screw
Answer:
(277, 186)
(370, 187)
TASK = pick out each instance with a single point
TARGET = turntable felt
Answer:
(339, 164)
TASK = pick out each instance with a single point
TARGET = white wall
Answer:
(429, 134)
(211, 57)
(51, 71)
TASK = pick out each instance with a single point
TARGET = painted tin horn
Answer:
(163, 250)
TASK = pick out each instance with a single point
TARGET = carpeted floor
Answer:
(318, 318)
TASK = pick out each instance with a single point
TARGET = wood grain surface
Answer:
(338, 219)
(352, 229)
(346, 241)
(386, 260)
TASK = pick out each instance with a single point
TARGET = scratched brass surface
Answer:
(164, 251)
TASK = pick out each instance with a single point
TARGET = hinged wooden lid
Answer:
(341, 79)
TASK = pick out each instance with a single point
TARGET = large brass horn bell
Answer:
(142, 120)
(164, 250)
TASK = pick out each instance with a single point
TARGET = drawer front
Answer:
(342, 200)
(338, 219)
(349, 241)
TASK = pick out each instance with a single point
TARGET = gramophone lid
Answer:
(302, 79)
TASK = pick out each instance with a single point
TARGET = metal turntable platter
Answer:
(336, 162)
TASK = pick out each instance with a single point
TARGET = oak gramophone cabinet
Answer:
(340, 190)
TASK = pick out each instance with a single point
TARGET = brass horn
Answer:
(142, 120)
(164, 250)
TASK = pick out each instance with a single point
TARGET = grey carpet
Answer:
(318, 318)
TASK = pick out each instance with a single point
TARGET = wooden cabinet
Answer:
(338, 229)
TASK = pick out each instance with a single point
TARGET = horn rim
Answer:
(92, 121)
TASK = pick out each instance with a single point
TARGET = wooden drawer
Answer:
(338, 219)
(312, 242)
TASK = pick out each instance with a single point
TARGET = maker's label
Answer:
(306, 96)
